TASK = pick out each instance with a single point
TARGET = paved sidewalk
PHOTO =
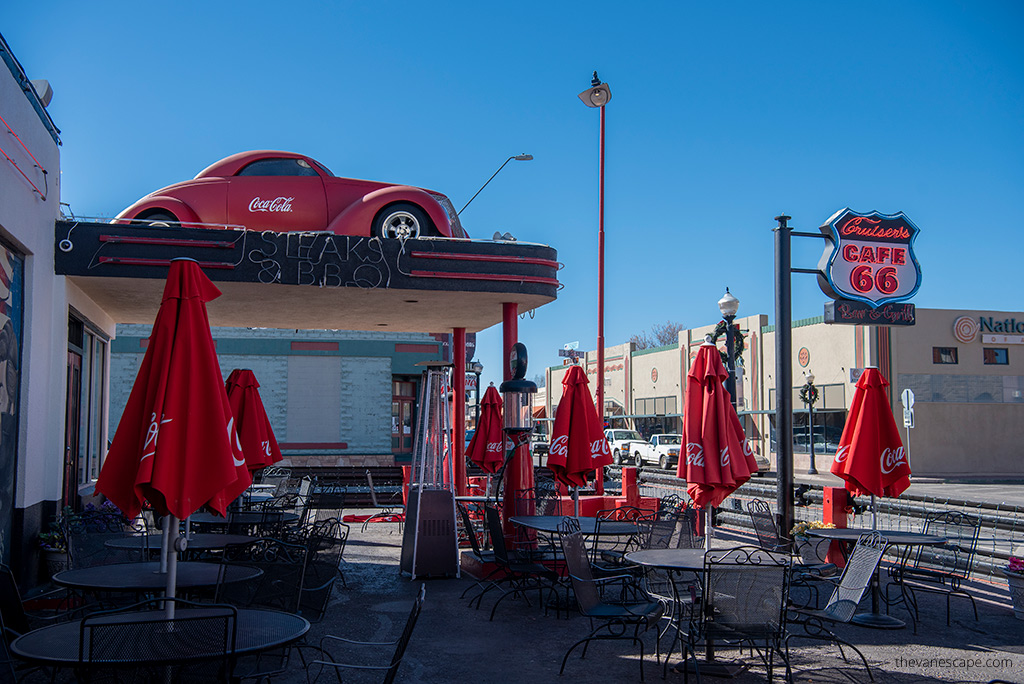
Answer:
(454, 643)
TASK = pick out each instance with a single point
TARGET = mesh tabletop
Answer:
(200, 541)
(669, 559)
(245, 518)
(256, 630)
(139, 577)
(588, 526)
(895, 537)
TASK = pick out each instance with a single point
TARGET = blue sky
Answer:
(722, 116)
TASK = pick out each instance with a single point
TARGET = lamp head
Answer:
(597, 95)
(728, 304)
(810, 377)
(523, 157)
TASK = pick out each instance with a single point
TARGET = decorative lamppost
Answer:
(809, 395)
(477, 368)
(729, 305)
(598, 95)
(517, 157)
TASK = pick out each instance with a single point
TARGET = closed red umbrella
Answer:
(718, 458)
(487, 448)
(251, 422)
(871, 458)
(578, 445)
(175, 446)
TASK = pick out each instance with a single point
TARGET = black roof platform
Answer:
(309, 280)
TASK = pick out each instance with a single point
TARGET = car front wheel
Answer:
(616, 457)
(161, 220)
(663, 462)
(402, 221)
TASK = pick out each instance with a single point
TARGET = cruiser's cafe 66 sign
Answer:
(869, 268)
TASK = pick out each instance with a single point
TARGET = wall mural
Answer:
(11, 290)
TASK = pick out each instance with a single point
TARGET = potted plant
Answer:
(54, 548)
(1014, 573)
(811, 550)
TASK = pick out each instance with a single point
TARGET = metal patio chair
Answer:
(608, 621)
(390, 670)
(937, 569)
(846, 596)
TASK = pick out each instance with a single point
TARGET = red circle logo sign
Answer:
(804, 357)
(654, 375)
(965, 329)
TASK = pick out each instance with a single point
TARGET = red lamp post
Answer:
(598, 96)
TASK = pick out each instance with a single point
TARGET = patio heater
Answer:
(517, 406)
(430, 546)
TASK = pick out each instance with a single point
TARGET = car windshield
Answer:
(670, 439)
(625, 434)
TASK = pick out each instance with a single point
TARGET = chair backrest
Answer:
(745, 592)
(11, 608)
(547, 499)
(141, 643)
(956, 556)
(603, 543)
(88, 532)
(302, 498)
(470, 530)
(279, 587)
(403, 641)
(493, 519)
(574, 548)
(768, 537)
(325, 543)
(670, 506)
(857, 575)
(686, 530)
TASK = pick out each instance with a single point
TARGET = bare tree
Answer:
(661, 335)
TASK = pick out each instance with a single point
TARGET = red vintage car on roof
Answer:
(285, 192)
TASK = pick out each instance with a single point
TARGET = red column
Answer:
(519, 473)
(834, 506)
(459, 408)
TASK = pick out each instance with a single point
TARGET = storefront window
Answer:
(944, 355)
(996, 357)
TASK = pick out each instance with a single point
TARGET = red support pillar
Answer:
(519, 472)
(459, 408)
(834, 508)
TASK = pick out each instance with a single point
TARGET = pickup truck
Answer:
(662, 450)
(618, 444)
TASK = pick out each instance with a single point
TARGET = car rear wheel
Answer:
(401, 221)
(638, 460)
(162, 220)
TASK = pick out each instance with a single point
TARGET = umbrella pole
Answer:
(165, 544)
(576, 501)
(707, 528)
(874, 514)
(172, 568)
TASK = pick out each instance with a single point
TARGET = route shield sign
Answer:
(869, 257)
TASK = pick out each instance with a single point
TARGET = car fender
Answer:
(358, 217)
(149, 203)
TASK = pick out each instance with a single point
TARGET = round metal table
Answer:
(588, 525)
(875, 619)
(255, 630)
(199, 541)
(145, 577)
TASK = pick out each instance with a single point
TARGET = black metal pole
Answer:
(730, 355)
(476, 422)
(810, 428)
(784, 373)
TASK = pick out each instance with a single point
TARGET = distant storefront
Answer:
(965, 369)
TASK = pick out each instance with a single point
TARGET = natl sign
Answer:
(869, 258)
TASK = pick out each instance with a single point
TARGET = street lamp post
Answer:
(477, 368)
(517, 157)
(598, 95)
(809, 393)
(729, 305)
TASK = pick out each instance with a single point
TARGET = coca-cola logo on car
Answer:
(892, 459)
(278, 204)
(560, 446)
(694, 454)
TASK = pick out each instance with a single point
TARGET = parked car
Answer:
(287, 192)
(618, 441)
(662, 449)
